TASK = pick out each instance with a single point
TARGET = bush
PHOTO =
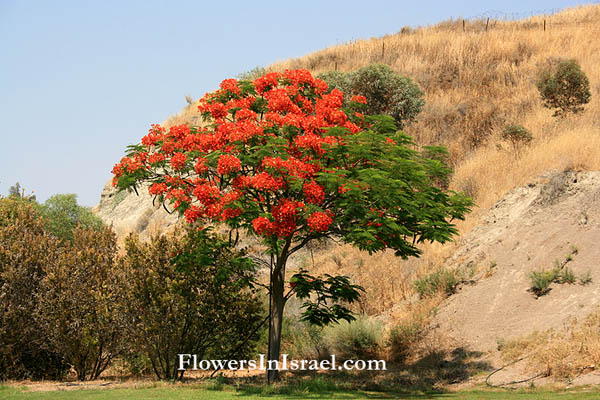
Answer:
(77, 304)
(187, 294)
(252, 74)
(585, 278)
(564, 87)
(441, 281)
(303, 340)
(25, 249)
(566, 276)
(337, 80)
(63, 215)
(403, 337)
(541, 280)
(359, 339)
(517, 136)
(387, 92)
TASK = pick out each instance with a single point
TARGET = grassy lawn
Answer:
(296, 392)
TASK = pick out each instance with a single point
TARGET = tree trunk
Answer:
(278, 303)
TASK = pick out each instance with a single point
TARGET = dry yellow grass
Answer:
(478, 81)
(565, 353)
(475, 83)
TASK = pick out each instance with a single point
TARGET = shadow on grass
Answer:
(424, 378)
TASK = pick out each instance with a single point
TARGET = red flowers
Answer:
(314, 192)
(280, 126)
(359, 99)
(264, 181)
(157, 188)
(263, 226)
(319, 221)
(230, 85)
(178, 161)
(267, 81)
(228, 164)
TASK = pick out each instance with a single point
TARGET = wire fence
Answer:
(513, 16)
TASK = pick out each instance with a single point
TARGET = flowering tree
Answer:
(281, 159)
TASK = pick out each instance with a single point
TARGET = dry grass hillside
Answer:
(476, 81)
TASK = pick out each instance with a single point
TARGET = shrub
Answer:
(517, 136)
(187, 294)
(441, 281)
(25, 249)
(337, 80)
(541, 280)
(63, 215)
(403, 337)
(566, 276)
(303, 340)
(387, 92)
(585, 278)
(359, 339)
(252, 74)
(564, 87)
(78, 299)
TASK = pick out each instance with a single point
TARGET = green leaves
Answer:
(323, 296)
(564, 87)
(63, 215)
(386, 91)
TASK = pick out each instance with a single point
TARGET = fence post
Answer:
(487, 23)
(544, 24)
(463, 25)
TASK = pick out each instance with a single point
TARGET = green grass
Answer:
(309, 391)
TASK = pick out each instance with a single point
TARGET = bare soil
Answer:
(527, 230)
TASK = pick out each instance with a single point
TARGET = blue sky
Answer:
(80, 80)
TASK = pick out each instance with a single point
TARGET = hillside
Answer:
(531, 228)
(475, 83)
(530, 209)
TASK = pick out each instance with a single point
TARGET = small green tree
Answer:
(387, 92)
(63, 215)
(518, 136)
(15, 190)
(337, 80)
(564, 87)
